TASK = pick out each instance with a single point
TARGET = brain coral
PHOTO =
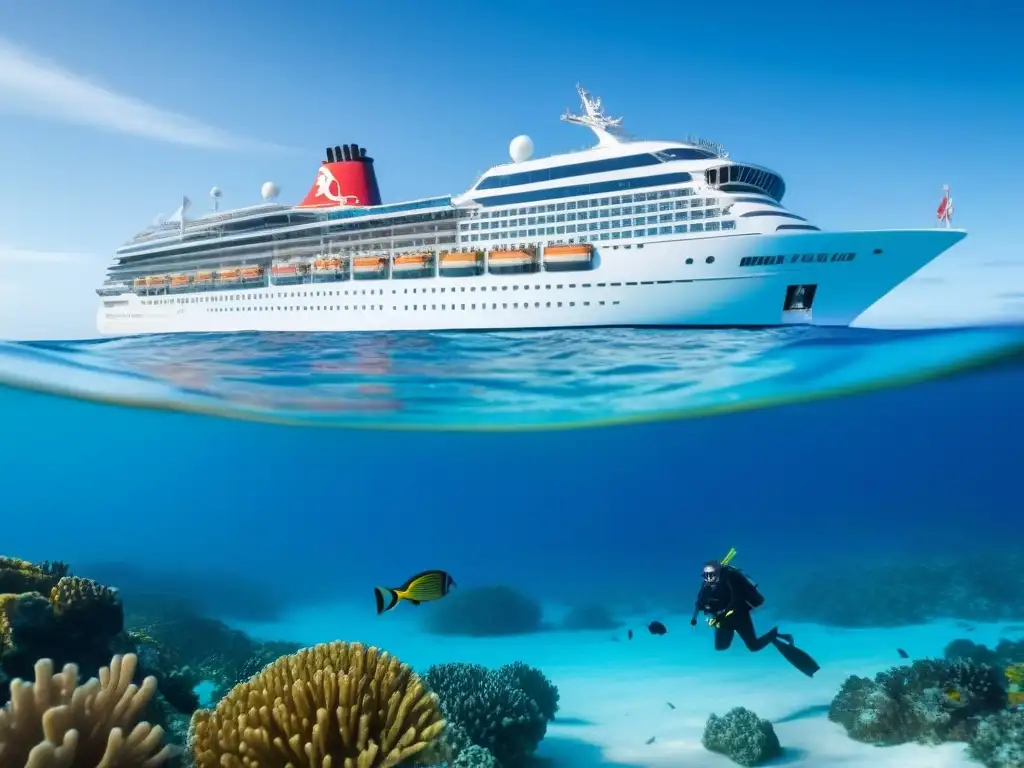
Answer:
(492, 709)
(334, 705)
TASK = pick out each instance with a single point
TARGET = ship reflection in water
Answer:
(497, 380)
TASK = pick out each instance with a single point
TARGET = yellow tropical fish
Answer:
(421, 588)
(1015, 673)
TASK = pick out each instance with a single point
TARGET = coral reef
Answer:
(49, 614)
(333, 704)
(208, 648)
(484, 612)
(84, 605)
(930, 701)
(475, 757)
(70, 620)
(494, 709)
(741, 736)
(54, 722)
(998, 741)
(1005, 653)
(17, 576)
(590, 616)
(861, 594)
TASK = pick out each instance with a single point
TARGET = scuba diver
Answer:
(727, 597)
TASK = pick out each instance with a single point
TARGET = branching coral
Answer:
(335, 704)
(57, 723)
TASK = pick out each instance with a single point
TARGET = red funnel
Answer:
(345, 178)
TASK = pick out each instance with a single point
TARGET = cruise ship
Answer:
(628, 232)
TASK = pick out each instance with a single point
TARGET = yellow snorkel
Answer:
(729, 556)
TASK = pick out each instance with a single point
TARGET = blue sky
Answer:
(110, 111)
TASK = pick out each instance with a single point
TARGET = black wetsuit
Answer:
(735, 593)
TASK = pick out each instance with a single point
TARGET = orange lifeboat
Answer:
(327, 265)
(139, 284)
(203, 278)
(512, 259)
(370, 266)
(251, 274)
(179, 281)
(461, 262)
(568, 257)
(229, 275)
(412, 262)
(283, 270)
(156, 281)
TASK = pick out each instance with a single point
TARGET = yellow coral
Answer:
(18, 575)
(73, 592)
(9, 609)
(334, 705)
(56, 723)
(7, 603)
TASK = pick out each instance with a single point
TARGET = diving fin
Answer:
(799, 659)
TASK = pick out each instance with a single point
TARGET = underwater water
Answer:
(867, 479)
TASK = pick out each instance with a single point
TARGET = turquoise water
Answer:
(270, 481)
(492, 381)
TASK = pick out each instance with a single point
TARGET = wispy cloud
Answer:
(33, 85)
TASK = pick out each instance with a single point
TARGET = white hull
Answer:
(639, 286)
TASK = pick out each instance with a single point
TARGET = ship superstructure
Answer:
(628, 232)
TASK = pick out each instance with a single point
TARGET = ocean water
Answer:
(273, 480)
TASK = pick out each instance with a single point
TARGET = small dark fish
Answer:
(615, 639)
(429, 585)
(670, 705)
(903, 654)
(650, 740)
(630, 634)
(656, 628)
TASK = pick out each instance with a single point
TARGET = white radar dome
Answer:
(521, 148)
(270, 190)
(215, 193)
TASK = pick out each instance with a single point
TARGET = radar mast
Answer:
(607, 129)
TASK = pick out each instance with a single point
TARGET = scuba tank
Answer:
(749, 592)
